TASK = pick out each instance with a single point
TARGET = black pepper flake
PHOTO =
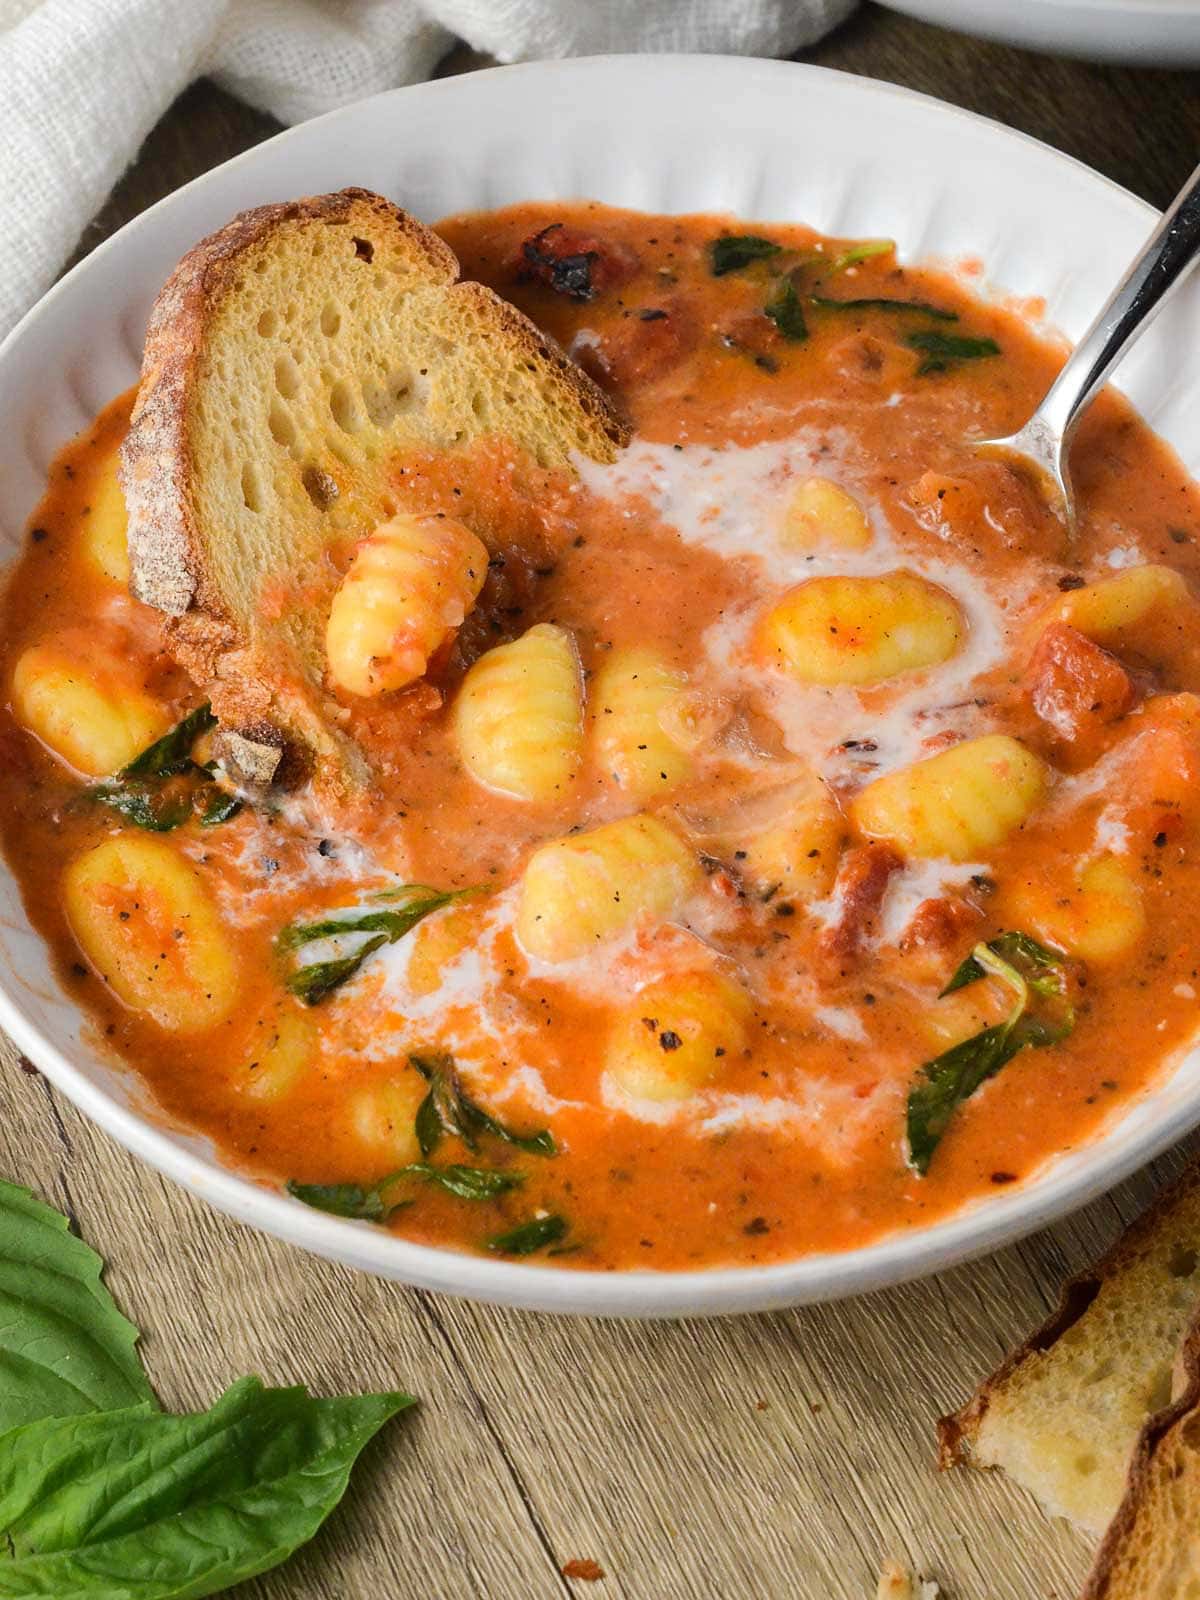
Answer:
(669, 1039)
(652, 314)
(326, 847)
(650, 1024)
(78, 970)
(38, 534)
(757, 1226)
(270, 865)
(785, 910)
(857, 744)
(1178, 535)
(1004, 1177)
(1160, 839)
(1070, 580)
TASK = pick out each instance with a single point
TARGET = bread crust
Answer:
(1155, 1435)
(166, 559)
(168, 564)
(957, 1431)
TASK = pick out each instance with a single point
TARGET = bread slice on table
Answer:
(1152, 1548)
(1062, 1413)
(290, 358)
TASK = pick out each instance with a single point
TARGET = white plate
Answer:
(1153, 33)
(758, 138)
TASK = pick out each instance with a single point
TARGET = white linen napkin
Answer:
(83, 81)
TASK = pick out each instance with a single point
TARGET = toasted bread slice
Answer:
(1152, 1548)
(1061, 1414)
(290, 358)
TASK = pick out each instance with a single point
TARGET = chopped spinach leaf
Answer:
(865, 250)
(939, 350)
(314, 983)
(733, 251)
(880, 303)
(340, 1199)
(172, 753)
(1027, 968)
(447, 1108)
(527, 1237)
(786, 312)
(219, 806)
(468, 1183)
(145, 805)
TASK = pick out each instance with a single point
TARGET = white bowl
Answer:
(1152, 33)
(765, 140)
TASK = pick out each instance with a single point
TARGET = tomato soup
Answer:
(798, 839)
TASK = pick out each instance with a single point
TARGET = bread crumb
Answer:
(899, 1583)
(588, 1571)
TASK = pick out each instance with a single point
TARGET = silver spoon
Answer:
(1162, 265)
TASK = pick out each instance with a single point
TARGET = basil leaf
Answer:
(461, 1117)
(786, 312)
(428, 1126)
(949, 1079)
(218, 806)
(938, 350)
(156, 810)
(134, 1505)
(529, 1236)
(340, 1199)
(1018, 949)
(1024, 966)
(394, 923)
(316, 982)
(872, 303)
(468, 1183)
(64, 1347)
(172, 753)
(733, 251)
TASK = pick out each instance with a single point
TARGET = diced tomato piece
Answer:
(935, 929)
(579, 265)
(641, 347)
(858, 893)
(1077, 688)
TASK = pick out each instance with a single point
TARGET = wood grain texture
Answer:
(768, 1456)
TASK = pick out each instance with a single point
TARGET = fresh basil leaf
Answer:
(156, 810)
(949, 1079)
(173, 752)
(64, 1346)
(529, 1236)
(1018, 949)
(463, 1118)
(217, 806)
(428, 1125)
(733, 251)
(865, 250)
(1023, 965)
(786, 312)
(316, 982)
(134, 1505)
(874, 303)
(468, 1183)
(938, 350)
(340, 1199)
(393, 923)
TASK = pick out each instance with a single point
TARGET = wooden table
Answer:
(774, 1456)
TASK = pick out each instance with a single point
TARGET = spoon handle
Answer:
(1172, 248)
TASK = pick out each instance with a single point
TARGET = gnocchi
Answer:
(382, 1117)
(1099, 916)
(958, 804)
(518, 717)
(407, 590)
(105, 530)
(860, 630)
(145, 921)
(79, 706)
(821, 515)
(795, 857)
(673, 1038)
(579, 891)
(638, 705)
(282, 1049)
(1104, 610)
